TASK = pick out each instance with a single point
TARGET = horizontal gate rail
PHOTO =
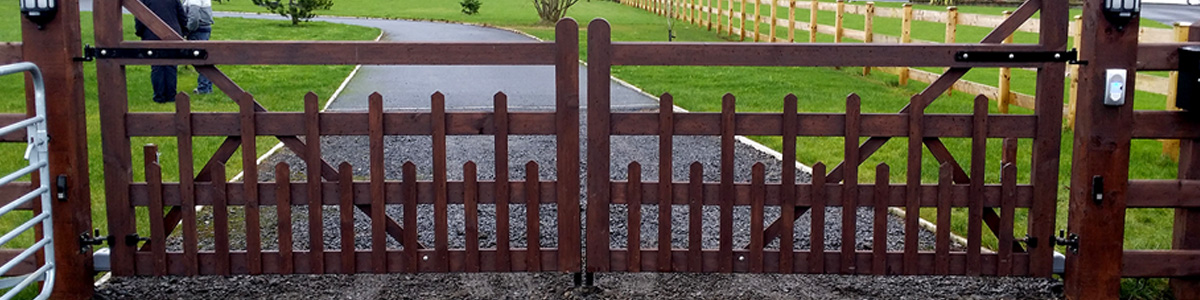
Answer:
(42, 250)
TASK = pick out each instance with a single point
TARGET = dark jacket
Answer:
(170, 11)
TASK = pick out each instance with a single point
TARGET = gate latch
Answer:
(87, 240)
(1069, 240)
(90, 53)
(1017, 56)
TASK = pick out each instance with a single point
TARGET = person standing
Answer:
(163, 78)
(199, 28)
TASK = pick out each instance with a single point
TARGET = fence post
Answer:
(1102, 143)
(1187, 221)
(757, 5)
(774, 21)
(1077, 30)
(52, 48)
(729, 19)
(951, 33)
(837, 29)
(708, 10)
(1171, 147)
(869, 30)
(905, 37)
(742, 21)
(791, 21)
(1003, 94)
(812, 22)
(718, 11)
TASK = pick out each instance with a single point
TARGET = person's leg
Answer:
(163, 78)
(203, 85)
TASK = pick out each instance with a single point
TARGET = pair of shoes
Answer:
(199, 92)
(167, 101)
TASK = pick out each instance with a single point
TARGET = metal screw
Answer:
(425, 257)
(741, 258)
(964, 56)
(196, 53)
(1057, 56)
(103, 52)
(149, 52)
(1011, 56)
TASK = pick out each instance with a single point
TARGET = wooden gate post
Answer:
(1187, 220)
(52, 49)
(1102, 140)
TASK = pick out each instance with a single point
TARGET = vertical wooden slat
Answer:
(850, 186)
(791, 21)
(773, 21)
(441, 229)
(1008, 154)
(719, 11)
(599, 145)
(409, 175)
(758, 195)
(975, 194)
(378, 191)
(567, 144)
(951, 24)
(1076, 32)
(729, 19)
(816, 261)
(634, 221)
(707, 10)
(868, 30)
(158, 232)
(187, 186)
(316, 233)
(1003, 94)
(666, 131)
(727, 194)
(1047, 147)
(533, 255)
(787, 189)
(283, 208)
(882, 194)
(503, 256)
(112, 90)
(905, 37)
(695, 260)
(942, 236)
(220, 219)
(913, 191)
(250, 185)
(346, 216)
(812, 21)
(839, 16)
(1008, 201)
(471, 214)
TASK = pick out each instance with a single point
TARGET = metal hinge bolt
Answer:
(1070, 240)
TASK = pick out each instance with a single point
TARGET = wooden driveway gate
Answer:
(172, 206)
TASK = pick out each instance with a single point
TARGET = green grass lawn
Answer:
(278, 88)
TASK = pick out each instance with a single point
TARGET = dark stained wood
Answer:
(187, 188)
(412, 262)
(1164, 125)
(502, 187)
(880, 245)
(283, 189)
(787, 191)
(850, 186)
(158, 232)
(978, 169)
(911, 210)
(634, 221)
(758, 180)
(10, 52)
(566, 85)
(623, 123)
(1187, 220)
(894, 260)
(817, 225)
(725, 234)
(666, 131)
(1168, 263)
(5, 119)
(220, 220)
(600, 52)
(942, 242)
(943, 156)
(1008, 154)
(695, 262)
(312, 161)
(351, 52)
(269, 257)
(441, 228)
(471, 214)
(532, 220)
(117, 152)
(806, 54)
(250, 186)
(1008, 177)
(1055, 18)
(1101, 148)
(346, 216)
(378, 192)
(1160, 56)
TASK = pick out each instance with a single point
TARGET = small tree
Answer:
(298, 10)
(552, 10)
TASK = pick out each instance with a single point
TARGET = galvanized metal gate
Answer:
(41, 252)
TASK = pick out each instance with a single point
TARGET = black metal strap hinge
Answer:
(1018, 56)
(90, 53)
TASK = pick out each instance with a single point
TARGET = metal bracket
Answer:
(1069, 240)
(87, 240)
(90, 53)
(1030, 241)
(1098, 189)
(60, 184)
(133, 239)
(1017, 56)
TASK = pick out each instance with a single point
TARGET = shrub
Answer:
(552, 10)
(470, 7)
(297, 10)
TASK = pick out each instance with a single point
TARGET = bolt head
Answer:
(426, 257)
(1057, 56)
(1011, 56)
(196, 53)
(103, 52)
(149, 52)
(964, 56)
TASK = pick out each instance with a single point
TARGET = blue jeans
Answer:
(203, 85)
(163, 80)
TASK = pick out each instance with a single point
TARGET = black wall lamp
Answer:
(1120, 12)
(39, 12)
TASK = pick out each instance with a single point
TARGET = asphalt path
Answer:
(1172, 13)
